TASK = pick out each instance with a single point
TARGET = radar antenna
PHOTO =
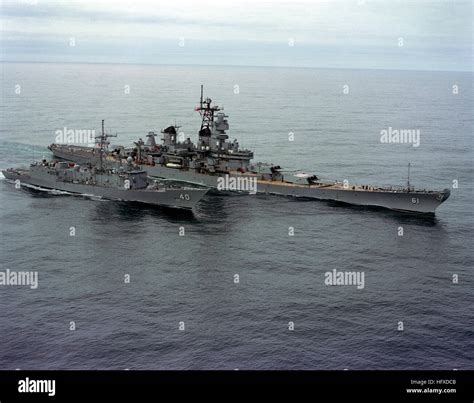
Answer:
(206, 110)
(102, 143)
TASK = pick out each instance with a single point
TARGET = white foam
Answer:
(57, 191)
(52, 191)
(90, 196)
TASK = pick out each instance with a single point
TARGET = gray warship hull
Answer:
(175, 198)
(413, 202)
(78, 154)
(424, 202)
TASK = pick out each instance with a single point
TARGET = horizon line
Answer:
(232, 65)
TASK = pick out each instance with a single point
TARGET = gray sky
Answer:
(387, 34)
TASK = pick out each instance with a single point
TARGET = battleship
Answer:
(214, 158)
(122, 183)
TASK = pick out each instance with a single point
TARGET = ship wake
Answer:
(56, 192)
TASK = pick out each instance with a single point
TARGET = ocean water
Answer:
(190, 278)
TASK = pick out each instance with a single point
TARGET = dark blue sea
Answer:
(336, 117)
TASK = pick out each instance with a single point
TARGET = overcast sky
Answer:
(388, 34)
